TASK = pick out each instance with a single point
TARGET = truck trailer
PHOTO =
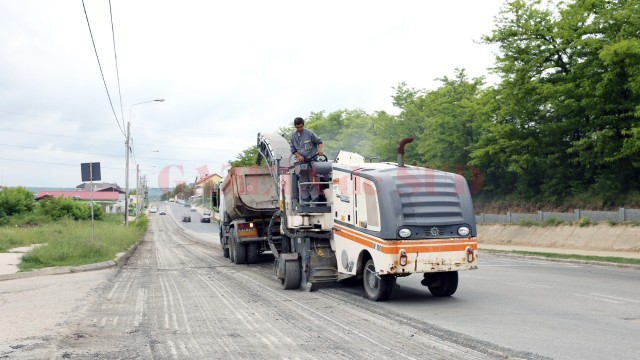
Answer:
(248, 200)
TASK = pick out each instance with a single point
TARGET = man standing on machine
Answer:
(306, 146)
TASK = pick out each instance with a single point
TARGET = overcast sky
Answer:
(226, 69)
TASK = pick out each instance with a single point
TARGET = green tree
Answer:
(247, 157)
(566, 108)
(348, 130)
(15, 200)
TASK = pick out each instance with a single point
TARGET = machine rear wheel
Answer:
(292, 275)
(253, 252)
(377, 287)
(442, 284)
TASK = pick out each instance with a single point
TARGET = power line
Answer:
(115, 55)
(109, 155)
(52, 163)
(100, 66)
(60, 136)
(112, 141)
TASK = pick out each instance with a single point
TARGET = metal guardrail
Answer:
(622, 215)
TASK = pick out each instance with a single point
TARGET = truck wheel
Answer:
(377, 287)
(231, 248)
(291, 275)
(240, 253)
(225, 248)
(442, 284)
(253, 252)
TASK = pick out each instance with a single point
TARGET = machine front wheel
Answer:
(377, 287)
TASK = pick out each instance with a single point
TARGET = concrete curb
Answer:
(505, 253)
(119, 261)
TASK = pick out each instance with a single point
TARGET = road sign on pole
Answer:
(90, 172)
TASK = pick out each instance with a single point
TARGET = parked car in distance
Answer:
(206, 216)
(162, 212)
(186, 218)
(153, 210)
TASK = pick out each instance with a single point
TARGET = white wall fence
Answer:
(622, 215)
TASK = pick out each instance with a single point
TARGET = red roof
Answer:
(80, 195)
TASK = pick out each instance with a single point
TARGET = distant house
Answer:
(98, 196)
(202, 181)
(205, 187)
(100, 187)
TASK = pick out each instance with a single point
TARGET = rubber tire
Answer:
(232, 249)
(225, 249)
(240, 253)
(292, 275)
(253, 252)
(377, 288)
(448, 284)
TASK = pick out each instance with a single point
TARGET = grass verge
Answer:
(68, 242)
(609, 259)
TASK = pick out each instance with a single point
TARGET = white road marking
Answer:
(615, 298)
(599, 298)
(528, 285)
(475, 277)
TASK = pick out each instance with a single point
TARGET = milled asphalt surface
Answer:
(9, 260)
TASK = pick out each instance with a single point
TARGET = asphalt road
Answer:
(179, 298)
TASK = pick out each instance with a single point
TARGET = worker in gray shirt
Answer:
(305, 145)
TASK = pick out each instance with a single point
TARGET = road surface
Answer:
(178, 297)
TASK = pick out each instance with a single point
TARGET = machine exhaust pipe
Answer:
(403, 142)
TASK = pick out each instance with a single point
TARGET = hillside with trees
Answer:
(560, 129)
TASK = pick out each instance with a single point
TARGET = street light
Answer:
(126, 150)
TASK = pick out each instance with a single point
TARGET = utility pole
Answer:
(137, 191)
(126, 175)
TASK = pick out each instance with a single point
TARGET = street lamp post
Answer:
(127, 149)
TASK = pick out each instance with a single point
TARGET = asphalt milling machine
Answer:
(373, 221)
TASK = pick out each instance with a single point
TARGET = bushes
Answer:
(61, 207)
(141, 223)
(15, 201)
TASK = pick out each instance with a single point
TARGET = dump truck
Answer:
(374, 222)
(248, 200)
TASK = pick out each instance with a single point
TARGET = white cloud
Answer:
(227, 69)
